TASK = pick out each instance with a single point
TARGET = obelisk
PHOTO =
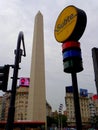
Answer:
(37, 94)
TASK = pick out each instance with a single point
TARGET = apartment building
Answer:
(5, 105)
(92, 107)
(0, 107)
(21, 103)
(48, 109)
(84, 107)
(95, 101)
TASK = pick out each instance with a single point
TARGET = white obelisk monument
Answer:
(37, 94)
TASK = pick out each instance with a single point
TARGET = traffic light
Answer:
(4, 73)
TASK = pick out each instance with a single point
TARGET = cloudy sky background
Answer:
(17, 15)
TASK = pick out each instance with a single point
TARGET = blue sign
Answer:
(69, 89)
(83, 92)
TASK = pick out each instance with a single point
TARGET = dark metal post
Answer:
(76, 102)
(11, 112)
(59, 121)
(23, 127)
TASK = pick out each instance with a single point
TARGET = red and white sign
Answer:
(24, 82)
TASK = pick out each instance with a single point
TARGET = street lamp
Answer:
(18, 53)
(60, 116)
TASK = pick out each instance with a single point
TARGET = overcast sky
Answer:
(18, 15)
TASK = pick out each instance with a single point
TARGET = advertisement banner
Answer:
(24, 82)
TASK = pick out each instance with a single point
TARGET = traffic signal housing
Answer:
(4, 74)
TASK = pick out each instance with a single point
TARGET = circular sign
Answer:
(70, 24)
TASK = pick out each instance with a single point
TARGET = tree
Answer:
(64, 121)
(55, 120)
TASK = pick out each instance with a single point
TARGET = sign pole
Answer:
(76, 101)
(69, 28)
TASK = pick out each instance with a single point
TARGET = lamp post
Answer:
(18, 54)
(60, 116)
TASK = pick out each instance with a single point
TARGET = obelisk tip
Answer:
(39, 13)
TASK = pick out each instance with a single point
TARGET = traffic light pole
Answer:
(76, 101)
(18, 54)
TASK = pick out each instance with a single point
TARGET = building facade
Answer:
(92, 107)
(21, 104)
(5, 103)
(48, 109)
(84, 108)
(0, 107)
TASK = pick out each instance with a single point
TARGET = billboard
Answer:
(24, 82)
(83, 92)
(95, 97)
(69, 89)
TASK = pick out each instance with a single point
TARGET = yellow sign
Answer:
(65, 23)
